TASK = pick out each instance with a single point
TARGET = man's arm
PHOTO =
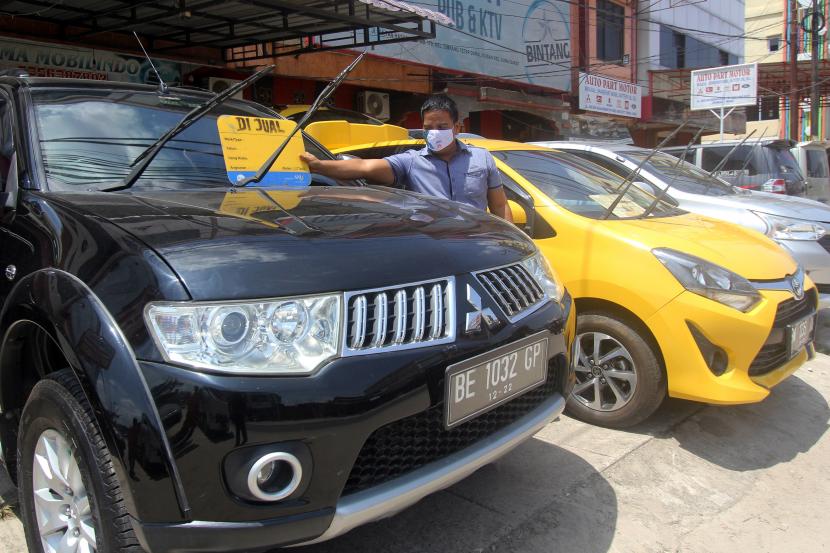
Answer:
(497, 203)
(375, 170)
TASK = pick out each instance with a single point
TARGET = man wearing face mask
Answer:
(446, 167)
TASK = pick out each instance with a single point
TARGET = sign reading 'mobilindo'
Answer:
(724, 87)
(604, 95)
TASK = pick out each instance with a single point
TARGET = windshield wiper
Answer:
(630, 178)
(146, 157)
(680, 160)
(318, 102)
(720, 165)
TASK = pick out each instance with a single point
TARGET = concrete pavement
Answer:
(694, 478)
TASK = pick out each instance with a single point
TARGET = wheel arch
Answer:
(55, 309)
(599, 305)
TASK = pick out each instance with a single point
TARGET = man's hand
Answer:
(310, 160)
(376, 170)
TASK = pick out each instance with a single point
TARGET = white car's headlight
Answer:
(709, 280)
(545, 276)
(784, 228)
(286, 336)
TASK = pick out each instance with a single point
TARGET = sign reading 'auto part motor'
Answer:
(598, 93)
(723, 87)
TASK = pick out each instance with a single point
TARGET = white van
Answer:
(812, 158)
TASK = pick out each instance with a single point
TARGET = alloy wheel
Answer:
(605, 375)
(64, 515)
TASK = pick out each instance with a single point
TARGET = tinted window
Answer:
(683, 176)
(90, 138)
(6, 142)
(817, 164)
(580, 186)
(743, 161)
(783, 161)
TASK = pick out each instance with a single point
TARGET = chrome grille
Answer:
(513, 288)
(400, 317)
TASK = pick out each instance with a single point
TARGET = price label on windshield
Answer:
(248, 141)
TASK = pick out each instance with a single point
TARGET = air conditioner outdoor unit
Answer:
(218, 85)
(374, 103)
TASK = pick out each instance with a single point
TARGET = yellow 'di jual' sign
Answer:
(248, 141)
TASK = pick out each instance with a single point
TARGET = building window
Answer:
(610, 19)
(774, 43)
(724, 57)
(767, 109)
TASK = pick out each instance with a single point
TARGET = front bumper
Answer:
(814, 256)
(352, 511)
(740, 335)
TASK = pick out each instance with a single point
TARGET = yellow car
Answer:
(668, 303)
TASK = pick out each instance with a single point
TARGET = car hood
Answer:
(743, 251)
(239, 244)
(779, 204)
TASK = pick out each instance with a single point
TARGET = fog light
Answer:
(275, 476)
(716, 358)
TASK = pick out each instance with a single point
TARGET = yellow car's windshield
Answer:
(581, 186)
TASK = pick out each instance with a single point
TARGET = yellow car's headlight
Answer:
(709, 280)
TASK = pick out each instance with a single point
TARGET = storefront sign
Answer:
(598, 93)
(498, 38)
(45, 60)
(723, 87)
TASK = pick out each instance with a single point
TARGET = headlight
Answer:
(545, 276)
(287, 336)
(784, 228)
(709, 280)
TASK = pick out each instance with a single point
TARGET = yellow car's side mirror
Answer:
(518, 212)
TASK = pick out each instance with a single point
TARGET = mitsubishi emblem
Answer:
(474, 318)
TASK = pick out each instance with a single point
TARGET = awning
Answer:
(252, 28)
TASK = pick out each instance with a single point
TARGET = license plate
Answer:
(479, 384)
(801, 333)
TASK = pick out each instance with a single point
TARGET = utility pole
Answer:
(815, 56)
(793, 134)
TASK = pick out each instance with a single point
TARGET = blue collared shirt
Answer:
(466, 178)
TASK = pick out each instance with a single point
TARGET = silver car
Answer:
(800, 225)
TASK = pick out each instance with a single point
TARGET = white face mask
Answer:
(437, 140)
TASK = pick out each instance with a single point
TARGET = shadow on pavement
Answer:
(746, 437)
(538, 498)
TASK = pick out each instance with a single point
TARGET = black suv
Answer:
(189, 366)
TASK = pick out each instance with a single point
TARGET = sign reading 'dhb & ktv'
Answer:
(723, 87)
(604, 95)
(519, 41)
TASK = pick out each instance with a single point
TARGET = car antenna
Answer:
(321, 98)
(634, 172)
(162, 84)
(680, 160)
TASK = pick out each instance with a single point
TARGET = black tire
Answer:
(650, 389)
(57, 403)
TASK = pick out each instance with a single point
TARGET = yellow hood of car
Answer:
(741, 250)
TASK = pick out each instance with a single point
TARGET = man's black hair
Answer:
(440, 102)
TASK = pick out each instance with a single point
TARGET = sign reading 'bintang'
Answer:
(724, 87)
(604, 95)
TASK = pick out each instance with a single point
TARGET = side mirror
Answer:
(8, 197)
(518, 212)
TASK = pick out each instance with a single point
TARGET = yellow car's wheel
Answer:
(619, 379)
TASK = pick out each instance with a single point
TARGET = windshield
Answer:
(88, 138)
(684, 177)
(580, 186)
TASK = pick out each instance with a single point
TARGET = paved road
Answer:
(694, 478)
